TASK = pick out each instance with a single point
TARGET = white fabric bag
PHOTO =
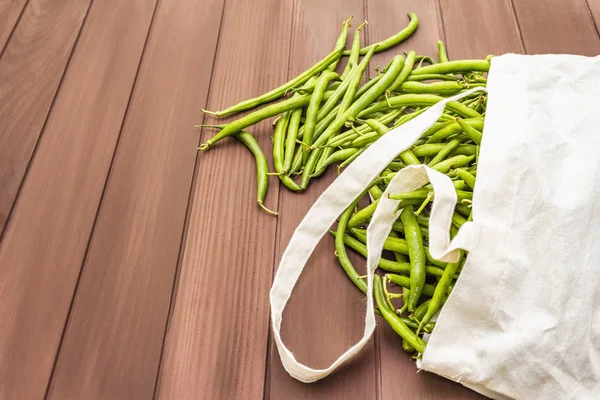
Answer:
(523, 319)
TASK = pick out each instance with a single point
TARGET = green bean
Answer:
(463, 210)
(447, 149)
(355, 79)
(255, 117)
(363, 215)
(453, 128)
(407, 347)
(352, 158)
(310, 166)
(290, 140)
(370, 83)
(458, 220)
(337, 156)
(393, 320)
(396, 166)
(340, 250)
(313, 110)
(404, 282)
(470, 130)
(452, 67)
(278, 141)
(412, 324)
(421, 310)
(439, 296)
(375, 191)
(361, 102)
(354, 51)
(467, 177)
(330, 59)
(422, 59)
(393, 40)
(416, 254)
(296, 162)
(384, 263)
(350, 135)
(458, 185)
(442, 55)
(397, 245)
(431, 149)
(406, 69)
(446, 88)
(426, 77)
(401, 258)
(453, 162)
(261, 168)
(398, 227)
(321, 166)
(407, 156)
(419, 100)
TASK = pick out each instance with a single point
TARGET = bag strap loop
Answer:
(338, 196)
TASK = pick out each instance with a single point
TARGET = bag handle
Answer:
(338, 196)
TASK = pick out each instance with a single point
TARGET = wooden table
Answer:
(131, 266)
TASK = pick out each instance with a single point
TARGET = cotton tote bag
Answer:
(523, 319)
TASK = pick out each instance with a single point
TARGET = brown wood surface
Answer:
(31, 68)
(134, 267)
(10, 12)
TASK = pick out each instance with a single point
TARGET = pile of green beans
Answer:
(326, 118)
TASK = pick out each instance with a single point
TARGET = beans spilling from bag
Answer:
(326, 118)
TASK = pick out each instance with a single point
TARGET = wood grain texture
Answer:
(45, 241)
(133, 255)
(10, 10)
(558, 27)
(594, 9)
(325, 315)
(479, 37)
(30, 71)
(217, 336)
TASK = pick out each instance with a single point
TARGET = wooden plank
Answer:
(30, 72)
(325, 314)
(481, 35)
(113, 350)
(560, 26)
(594, 9)
(10, 11)
(217, 336)
(46, 239)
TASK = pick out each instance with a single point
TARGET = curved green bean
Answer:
(470, 130)
(455, 127)
(255, 117)
(404, 282)
(262, 168)
(340, 250)
(409, 63)
(395, 39)
(312, 112)
(393, 320)
(439, 295)
(354, 51)
(271, 95)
